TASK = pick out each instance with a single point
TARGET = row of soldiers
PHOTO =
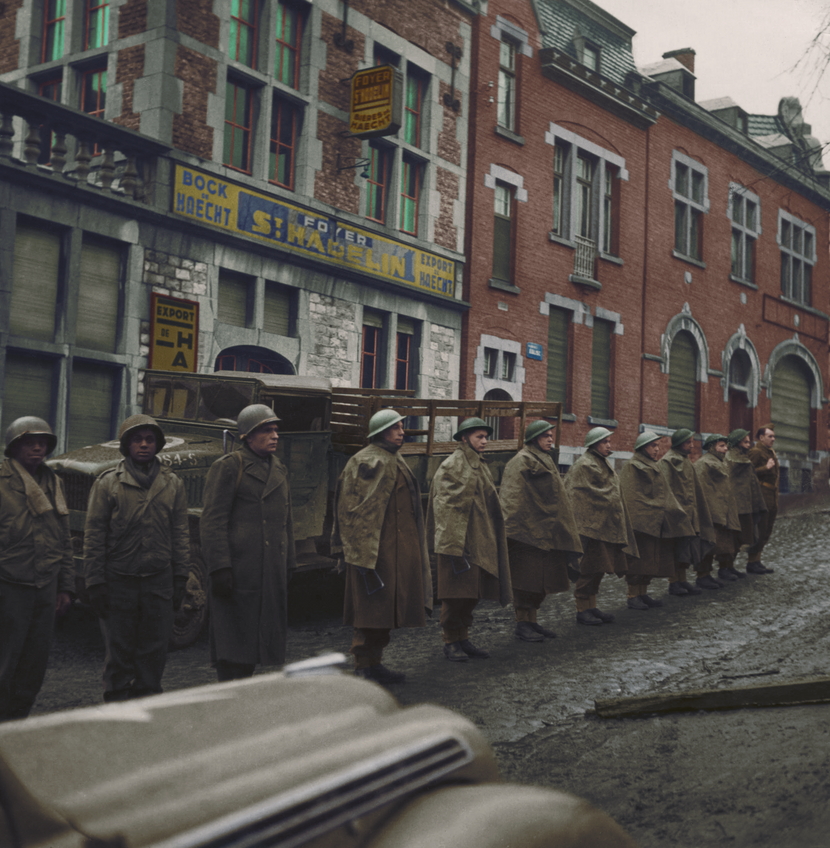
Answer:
(656, 519)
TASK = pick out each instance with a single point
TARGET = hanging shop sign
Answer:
(227, 206)
(174, 333)
(376, 104)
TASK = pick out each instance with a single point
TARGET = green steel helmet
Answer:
(254, 416)
(536, 429)
(29, 425)
(680, 437)
(736, 436)
(646, 438)
(133, 423)
(383, 420)
(469, 424)
(596, 435)
(713, 440)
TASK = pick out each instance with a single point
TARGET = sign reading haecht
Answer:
(376, 102)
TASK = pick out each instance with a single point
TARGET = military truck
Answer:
(321, 426)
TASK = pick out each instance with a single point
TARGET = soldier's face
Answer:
(652, 450)
(545, 441)
(721, 447)
(685, 448)
(30, 451)
(603, 448)
(767, 438)
(394, 434)
(264, 440)
(477, 440)
(745, 443)
(142, 445)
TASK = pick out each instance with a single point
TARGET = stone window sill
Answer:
(741, 282)
(502, 285)
(690, 259)
(509, 135)
(585, 281)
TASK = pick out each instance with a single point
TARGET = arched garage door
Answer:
(683, 382)
(791, 390)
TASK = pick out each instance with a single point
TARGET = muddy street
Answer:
(743, 777)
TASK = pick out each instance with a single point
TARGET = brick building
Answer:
(649, 261)
(224, 174)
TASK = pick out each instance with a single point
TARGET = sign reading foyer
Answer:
(218, 203)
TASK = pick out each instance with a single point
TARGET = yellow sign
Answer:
(227, 206)
(376, 102)
(174, 333)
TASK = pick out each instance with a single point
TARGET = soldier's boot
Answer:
(548, 634)
(758, 568)
(644, 596)
(633, 601)
(584, 615)
(604, 617)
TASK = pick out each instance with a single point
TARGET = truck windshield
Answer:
(191, 399)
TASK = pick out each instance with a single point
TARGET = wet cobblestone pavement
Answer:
(743, 777)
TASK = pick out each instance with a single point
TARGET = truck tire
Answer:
(190, 620)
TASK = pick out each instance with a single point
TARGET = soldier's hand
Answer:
(99, 599)
(770, 464)
(62, 604)
(221, 583)
(179, 591)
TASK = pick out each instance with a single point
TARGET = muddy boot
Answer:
(604, 617)
(587, 617)
(636, 603)
(726, 575)
(758, 568)
(547, 634)
(649, 601)
(692, 590)
(525, 632)
(677, 589)
(472, 651)
(707, 582)
(454, 652)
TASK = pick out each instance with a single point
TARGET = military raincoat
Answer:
(748, 494)
(712, 473)
(247, 526)
(679, 473)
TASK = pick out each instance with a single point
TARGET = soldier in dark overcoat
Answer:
(765, 461)
(748, 494)
(248, 546)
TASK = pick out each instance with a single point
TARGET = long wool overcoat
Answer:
(247, 526)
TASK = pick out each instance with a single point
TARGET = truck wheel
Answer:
(190, 620)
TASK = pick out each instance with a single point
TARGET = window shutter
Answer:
(557, 388)
(277, 310)
(233, 298)
(28, 391)
(501, 249)
(683, 383)
(98, 296)
(791, 406)
(37, 256)
(372, 319)
(601, 369)
(90, 405)
(406, 325)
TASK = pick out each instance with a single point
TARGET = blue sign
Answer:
(534, 351)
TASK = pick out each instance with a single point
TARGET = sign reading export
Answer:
(376, 102)
(174, 333)
(230, 207)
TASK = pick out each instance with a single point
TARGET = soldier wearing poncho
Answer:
(602, 519)
(542, 537)
(713, 475)
(747, 489)
(765, 461)
(466, 526)
(379, 530)
(679, 473)
(657, 518)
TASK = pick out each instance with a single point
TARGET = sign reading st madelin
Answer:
(218, 203)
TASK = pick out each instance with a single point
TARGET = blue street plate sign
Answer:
(534, 351)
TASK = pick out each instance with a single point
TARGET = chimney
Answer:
(685, 55)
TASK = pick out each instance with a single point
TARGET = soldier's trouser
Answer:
(368, 644)
(456, 618)
(586, 589)
(27, 618)
(526, 603)
(637, 584)
(765, 529)
(136, 631)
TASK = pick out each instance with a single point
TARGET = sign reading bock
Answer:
(218, 203)
(376, 102)
(174, 333)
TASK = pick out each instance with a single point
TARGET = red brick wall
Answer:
(449, 147)
(190, 130)
(129, 68)
(132, 18)
(336, 189)
(196, 19)
(9, 45)
(340, 64)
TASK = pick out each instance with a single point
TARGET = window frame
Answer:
(282, 11)
(420, 84)
(280, 106)
(411, 176)
(376, 334)
(742, 267)
(247, 130)
(790, 257)
(506, 111)
(243, 24)
(377, 184)
(689, 212)
(503, 191)
(56, 28)
(103, 7)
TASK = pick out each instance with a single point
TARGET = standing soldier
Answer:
(712, 473)
(36, 571)
(748, 494)
(248, 546)
(604, 526)
(136, 560)
(379, 529)
(765, 461)
(542, 536)
(656, 516)
(679, 473)
(467, 525)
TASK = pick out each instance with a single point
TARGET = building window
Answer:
(682, 400)
(238, 103)
(491, 361)
(284, 121)
(508, 366)
(36, 277)
(746, 226)
(557, 378)
(379, 161)
(503, 233)
(234, 298)
(601, 369)
(415, 87)
(506, 113)
(610, 209)
(584, 195)
(97, 23)
(278, 309)
(94, 96)
(99, 295)
(798, 255)
(689, 187)
(54, 20)
(405, 358)
(370, 354)
(287, 32)
(92, 401)
(590, 56)
(558, 189)
(410, 189)
(242, 47)
(29, 387)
